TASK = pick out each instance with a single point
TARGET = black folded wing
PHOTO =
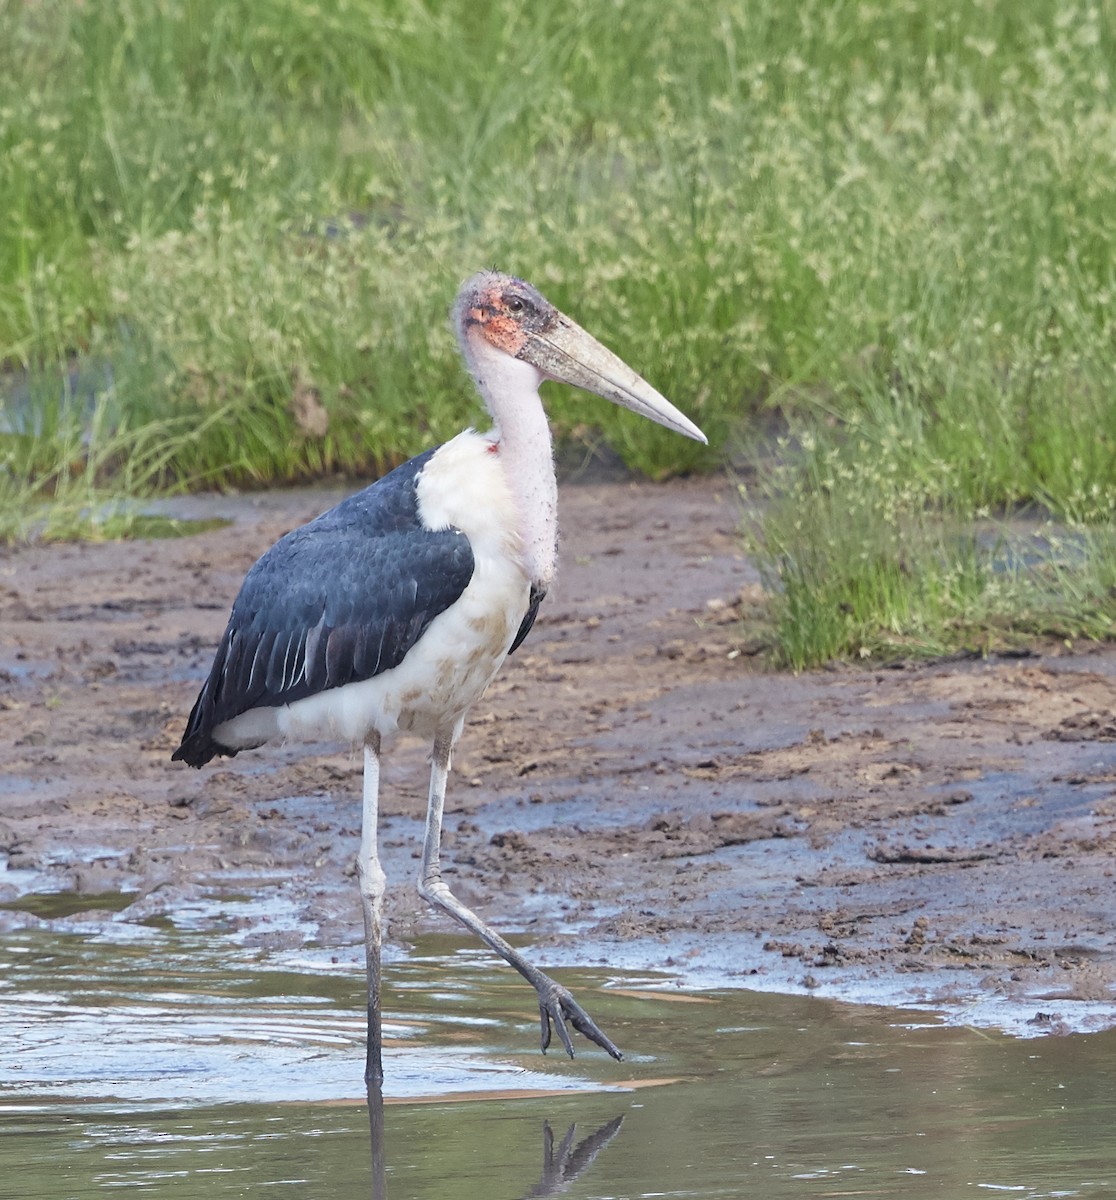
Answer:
(337, 601)
(538, 595)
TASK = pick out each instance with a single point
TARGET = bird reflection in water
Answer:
(562, 1162)
(563, 1168)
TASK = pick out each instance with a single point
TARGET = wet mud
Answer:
(637, 789)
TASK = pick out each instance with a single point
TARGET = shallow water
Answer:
(188, 1067)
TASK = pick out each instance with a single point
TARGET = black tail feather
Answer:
(198, 748)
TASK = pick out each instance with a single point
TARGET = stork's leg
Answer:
(556, 1005)
(372, 881)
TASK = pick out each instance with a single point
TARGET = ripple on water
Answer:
(189, 1063)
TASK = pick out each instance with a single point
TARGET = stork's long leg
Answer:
(372, 882)
(556, 1005)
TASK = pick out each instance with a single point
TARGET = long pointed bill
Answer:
(569, 354)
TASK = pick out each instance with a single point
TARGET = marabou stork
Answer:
(394, 610)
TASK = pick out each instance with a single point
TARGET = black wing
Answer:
(538, 595)
(338, 600)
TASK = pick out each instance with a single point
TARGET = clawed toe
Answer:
(557, 1007)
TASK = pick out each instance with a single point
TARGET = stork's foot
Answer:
(556, 1007)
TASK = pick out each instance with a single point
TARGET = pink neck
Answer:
(511, 394)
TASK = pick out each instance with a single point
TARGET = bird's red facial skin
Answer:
(505, 333)
(497, 326)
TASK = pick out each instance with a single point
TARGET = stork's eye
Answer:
(515, 304)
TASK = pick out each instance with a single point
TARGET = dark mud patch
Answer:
(636, 788)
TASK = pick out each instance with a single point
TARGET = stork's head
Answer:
(499, 313)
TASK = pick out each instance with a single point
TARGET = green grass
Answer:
(890, 222)
(873, 550)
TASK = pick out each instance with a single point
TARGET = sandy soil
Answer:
(636, 789)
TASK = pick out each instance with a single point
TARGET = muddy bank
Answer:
(635, 789)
